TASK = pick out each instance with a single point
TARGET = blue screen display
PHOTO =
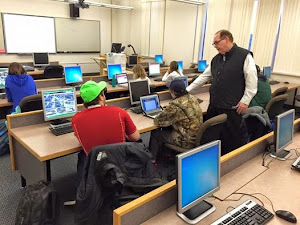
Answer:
(159, 59)
(184, 79)
(73, 74)
(201, 65)
(150, 104)
(267, 72)
(285, 130)
(200, 174)
(180, 65)
(113, 69)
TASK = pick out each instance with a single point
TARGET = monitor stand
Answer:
(197, 212)
(58, 122)
(281, 155)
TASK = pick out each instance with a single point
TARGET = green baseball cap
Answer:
(90, 90)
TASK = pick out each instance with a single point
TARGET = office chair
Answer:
(209, 131)
(31, 103)
(275, 106)
(54, 71)
(279, 91)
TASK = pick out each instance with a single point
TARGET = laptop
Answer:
(122, 79)
(150, 105)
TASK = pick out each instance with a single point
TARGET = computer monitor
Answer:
(202, 65)
(59, 103)
(3, 75)
(137, 89)
(40, 59)
(113, 69)
(132, 60)
(283, 134)
(180, 66)
(122, 78)
(267, 72)
(198, 176)
(73, 74)
(116, 47)
(154, 69)
(184, 79)
(159, 59)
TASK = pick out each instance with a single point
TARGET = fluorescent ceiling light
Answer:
(193, 2)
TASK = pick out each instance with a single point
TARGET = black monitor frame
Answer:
(116, 47)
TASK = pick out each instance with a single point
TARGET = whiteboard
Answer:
(2, 48)
(75, 35)
(27, 34)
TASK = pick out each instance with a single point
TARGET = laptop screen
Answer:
(150, 103)
(122, 78)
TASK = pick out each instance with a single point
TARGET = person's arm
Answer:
(250, 74)
(132, 133)
(8, 95)
(167, 117)
(165, 77)
(134, 136)
(202, 79)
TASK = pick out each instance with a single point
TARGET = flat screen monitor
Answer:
(122, 78)
(3, 75)
(180, 66)
(73, 74)
(40, 59)
(202, 65)
(116, 47)
(198, 176)
(113, 69)
(184, 79)
(132, 60)
(59, 103)
(159, 59)
(137, 89)
(154, 69)
(267, 72)
(283, 134)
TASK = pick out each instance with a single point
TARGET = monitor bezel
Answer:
(129, 61)
(130, 93)
(153, 75)
(34, 64)
(162, 59)
(66, 74)
(186, 83)
(150, 96)
(277, 126)
(59, 89)
(264, 68)
(204, 60)
(121, 74)
(179, 158)
(108, 70)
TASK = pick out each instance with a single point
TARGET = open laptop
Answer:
(150, 105)
(122, 79)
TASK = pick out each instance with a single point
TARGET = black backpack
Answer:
(4, 147)
(38, 206)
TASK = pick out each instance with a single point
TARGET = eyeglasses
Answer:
(215, 43)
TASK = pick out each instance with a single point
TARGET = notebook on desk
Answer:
(150, 105)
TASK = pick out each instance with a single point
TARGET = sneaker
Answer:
(70, 203)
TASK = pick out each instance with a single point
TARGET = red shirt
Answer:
(101, 125)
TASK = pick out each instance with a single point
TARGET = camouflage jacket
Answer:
(184, 114)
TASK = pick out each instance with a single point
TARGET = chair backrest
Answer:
(54, 71)
(279, 91)
(210, 129)
(31, 103)
(275, 106)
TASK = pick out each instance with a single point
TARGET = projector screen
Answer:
(27, 34)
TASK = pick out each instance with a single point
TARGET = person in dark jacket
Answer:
(18, 84)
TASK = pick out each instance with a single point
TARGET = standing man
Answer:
(234, 83)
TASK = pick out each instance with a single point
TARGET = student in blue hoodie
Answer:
(18, 84)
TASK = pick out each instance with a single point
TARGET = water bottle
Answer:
(113, 82)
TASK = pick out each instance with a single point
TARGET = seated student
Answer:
(18, 84)
(140, 74)
(172, 73)
(264, 94)
(180, 120)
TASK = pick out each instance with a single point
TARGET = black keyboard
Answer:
(61, 129)
(272, 82)
(137, 109)
(158, 79)
(248, 213)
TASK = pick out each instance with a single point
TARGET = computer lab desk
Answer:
(241, 171)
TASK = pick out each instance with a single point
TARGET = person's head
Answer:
(139, 72)
(16, 69)
(177, 88)
(257, 69)
(93, 93)
(223, 41)
(173, 67)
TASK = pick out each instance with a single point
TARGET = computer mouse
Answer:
(286, 215)
(286, 82)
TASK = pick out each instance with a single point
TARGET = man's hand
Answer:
(241, 108)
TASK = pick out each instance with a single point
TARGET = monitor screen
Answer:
(137, 89)
(180, 66)
(116, 47)
(122, 78)
(284, 129)
(154, 69)
(201, 65)
(150, 103)
(267, 72)
(198, 174)
(59, 103)
(184, 79)
(159, 59)
(40, 59)
(3, 75)
(73, 74)
(132, 60)
(113, 69)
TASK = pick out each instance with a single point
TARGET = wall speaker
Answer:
(74, 11)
